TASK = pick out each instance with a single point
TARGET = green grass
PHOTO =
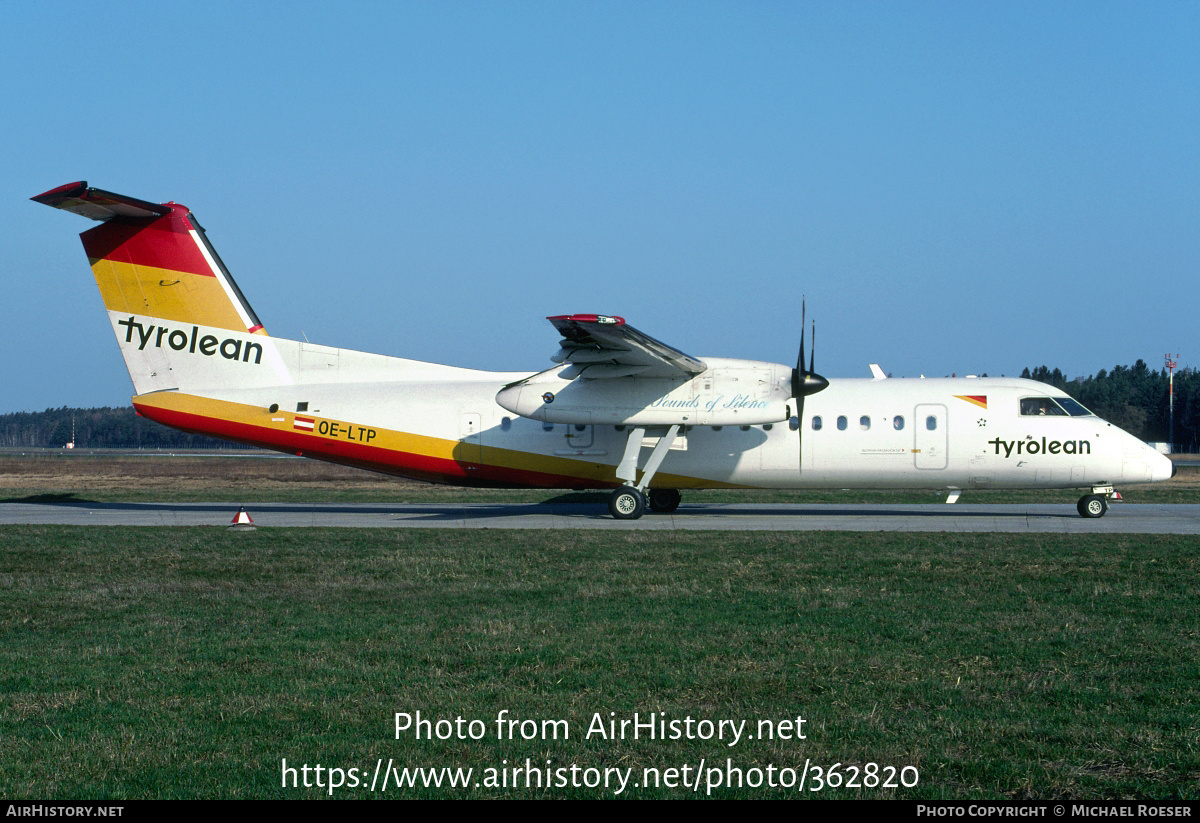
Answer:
(190, 662)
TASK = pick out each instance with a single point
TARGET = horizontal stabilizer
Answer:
(99, 204)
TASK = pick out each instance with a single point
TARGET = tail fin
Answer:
(167, 292)
(155, 260)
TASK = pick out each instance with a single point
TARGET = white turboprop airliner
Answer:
(619, 409)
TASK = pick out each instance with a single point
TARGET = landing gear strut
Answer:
(629, 501)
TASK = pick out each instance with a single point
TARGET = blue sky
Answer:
(955, 187)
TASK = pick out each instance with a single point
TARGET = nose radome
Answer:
(1161, 466)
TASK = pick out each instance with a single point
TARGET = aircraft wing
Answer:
(598, 346)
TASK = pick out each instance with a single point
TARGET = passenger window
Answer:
(864, 423)
(816, 424)
(842, 423)
(505, 423)
(793, 423)
(547, 427)
(931, 422)
(898, 422)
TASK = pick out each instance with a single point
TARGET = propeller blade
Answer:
(806, 381)
(812, 357)
(798, 372)
(814, 382)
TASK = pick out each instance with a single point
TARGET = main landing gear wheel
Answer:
(1092, 505)
(664, 501)
(627, 503)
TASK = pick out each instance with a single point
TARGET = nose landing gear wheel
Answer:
(626, 503)
(1092, 505)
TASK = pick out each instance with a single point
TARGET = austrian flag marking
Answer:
(304, 424)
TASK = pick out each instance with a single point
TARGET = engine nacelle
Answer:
(728, 393)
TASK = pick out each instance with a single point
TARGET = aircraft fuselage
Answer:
(444, 425)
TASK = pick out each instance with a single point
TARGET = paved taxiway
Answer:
(1058, 518)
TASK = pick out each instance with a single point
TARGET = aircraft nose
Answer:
(1161, 467)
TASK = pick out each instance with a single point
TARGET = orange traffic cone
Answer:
(242, 521)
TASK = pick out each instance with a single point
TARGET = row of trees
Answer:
(104, 428)
(1136, 399)
(1132, 397)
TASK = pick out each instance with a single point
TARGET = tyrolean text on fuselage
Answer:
(1031, 446)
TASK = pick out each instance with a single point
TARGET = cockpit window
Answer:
(1041, 406)
(1073, 407)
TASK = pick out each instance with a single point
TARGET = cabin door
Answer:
(931, 436)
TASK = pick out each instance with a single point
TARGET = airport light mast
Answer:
(1171, 364)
